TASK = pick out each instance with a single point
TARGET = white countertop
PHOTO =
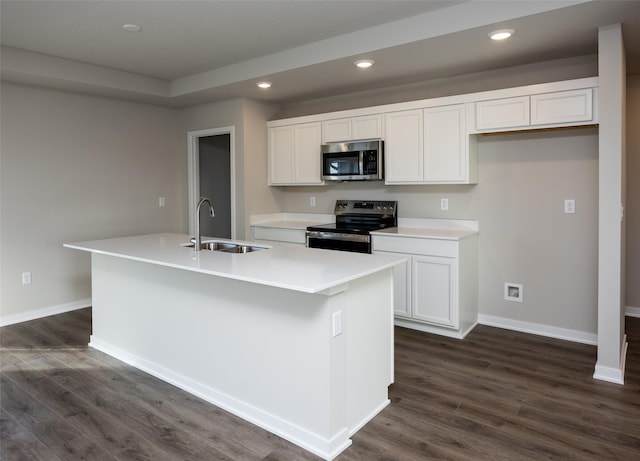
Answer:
(442, 229)
(428, 233)
(296, 225)
(282, 265)
(296, 221)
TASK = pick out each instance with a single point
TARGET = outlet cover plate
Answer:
(513, 292)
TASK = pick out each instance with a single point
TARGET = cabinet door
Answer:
(562, 107)
(401, 286)
(366, 127)
(434, 294)
(404, 147)
(336, 130)
(496, 114)
(307, 159)
(281, 150)
(445, 149)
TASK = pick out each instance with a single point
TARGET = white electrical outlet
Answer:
(444, 204)
(161, 201)
(26, 278)
(312, 201)
(337, 323)
(570, 206)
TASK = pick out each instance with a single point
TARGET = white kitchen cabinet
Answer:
(352, 128)
(429, 146)
(404, 147)
(278, 234)
(433, 297)
(502, 113)
(449, 154)
(402, 286)
(562, 107)
(294, 154)
(437, 289)
(535, 111)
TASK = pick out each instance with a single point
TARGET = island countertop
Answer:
(285, 266)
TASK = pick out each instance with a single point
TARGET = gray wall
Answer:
(79, 168)
(524, 179)
(632, 212)
(525, 237)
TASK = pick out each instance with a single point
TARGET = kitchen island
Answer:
(298, 341)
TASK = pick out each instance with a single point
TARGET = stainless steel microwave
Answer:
(353, 161)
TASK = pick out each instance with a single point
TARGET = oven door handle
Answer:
(337, 236)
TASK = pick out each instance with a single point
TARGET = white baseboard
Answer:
(538, 329)
(44, 312)
(610, 374)
(326, 448)
(631, 311)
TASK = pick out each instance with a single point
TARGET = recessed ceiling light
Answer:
(132, 27)
(264, 85)
(364, 63)
(501, 34)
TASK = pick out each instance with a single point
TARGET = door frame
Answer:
(193, 171)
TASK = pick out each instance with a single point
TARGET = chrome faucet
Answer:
(198, 238)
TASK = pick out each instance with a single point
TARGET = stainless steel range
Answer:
(354, 222)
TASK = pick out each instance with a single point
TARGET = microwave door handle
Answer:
(361, 162)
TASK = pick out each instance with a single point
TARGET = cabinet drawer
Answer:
(418, 246)
(278, 234)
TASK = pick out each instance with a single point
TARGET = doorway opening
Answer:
(211, 165)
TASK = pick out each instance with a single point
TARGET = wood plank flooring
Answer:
(497, 395)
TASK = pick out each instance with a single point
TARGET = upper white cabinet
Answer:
(429, 146)
(447, 154)
(404, 147)
(502, 113)
(352, 128)
(294, 154)
(562, 107)
(430, 141)
(535, 111)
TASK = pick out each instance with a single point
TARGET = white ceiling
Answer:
(191, 52)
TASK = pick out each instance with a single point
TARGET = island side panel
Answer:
(368, 328)
(263, 353)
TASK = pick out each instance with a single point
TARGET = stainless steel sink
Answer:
(242, 249)
(227, 247)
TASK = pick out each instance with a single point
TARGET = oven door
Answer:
(356, 243)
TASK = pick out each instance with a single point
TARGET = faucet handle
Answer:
(193, 240)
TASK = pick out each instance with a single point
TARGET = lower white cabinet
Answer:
(436, 290)
(434, 293)
(278, 234)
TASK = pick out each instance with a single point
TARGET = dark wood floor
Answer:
(497, 395)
